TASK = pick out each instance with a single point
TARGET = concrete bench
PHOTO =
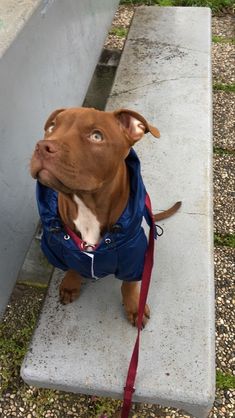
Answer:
(45, 63)
(85, 347)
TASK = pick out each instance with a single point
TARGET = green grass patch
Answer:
(105, 407)
(215, 5)
(119, 31)
(13, 347)
(165, 3)
(227, 240)
(222, 151)
(146, 2)
(35, 285)
(225, 380)
(224, 87)
(16, 330)
(223, 40)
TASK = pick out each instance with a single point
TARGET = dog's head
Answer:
(83, 148)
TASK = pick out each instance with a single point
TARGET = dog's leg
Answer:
(70, 287)
(130, 295)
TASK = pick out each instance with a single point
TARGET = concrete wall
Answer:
(49, 53)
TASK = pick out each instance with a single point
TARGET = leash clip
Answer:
(157, 229)
(85, 246)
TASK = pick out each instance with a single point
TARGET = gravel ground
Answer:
(19, 400)
(122, 18)
(224, 404)
(225, 308)
(224, 196)
(224, 119)
(224, 26)
(223, 56)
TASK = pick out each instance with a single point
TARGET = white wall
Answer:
(47, 66)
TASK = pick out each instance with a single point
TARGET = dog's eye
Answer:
(96, 136)
(51, 127)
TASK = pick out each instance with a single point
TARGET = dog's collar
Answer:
(82, 245)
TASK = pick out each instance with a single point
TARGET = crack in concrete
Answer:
(184, 213)
(155, 82)
(194, 50)
(196, 213)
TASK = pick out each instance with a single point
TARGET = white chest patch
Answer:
(86, 223)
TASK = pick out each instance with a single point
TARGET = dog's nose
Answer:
(46, 147)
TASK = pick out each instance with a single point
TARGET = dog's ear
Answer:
(135, 124)
(51, 118)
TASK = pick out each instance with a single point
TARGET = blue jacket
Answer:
(120, 252)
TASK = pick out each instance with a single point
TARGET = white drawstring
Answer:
(92, 256)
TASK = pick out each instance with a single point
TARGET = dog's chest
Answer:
(86, 223)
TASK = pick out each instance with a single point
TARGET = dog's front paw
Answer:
(130, 294)
(132, 314)
(70, 287)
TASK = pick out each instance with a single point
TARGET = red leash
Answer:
(146, 276)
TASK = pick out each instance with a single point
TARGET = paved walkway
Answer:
(19, 400)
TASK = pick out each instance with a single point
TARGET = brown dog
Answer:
(83, 157)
